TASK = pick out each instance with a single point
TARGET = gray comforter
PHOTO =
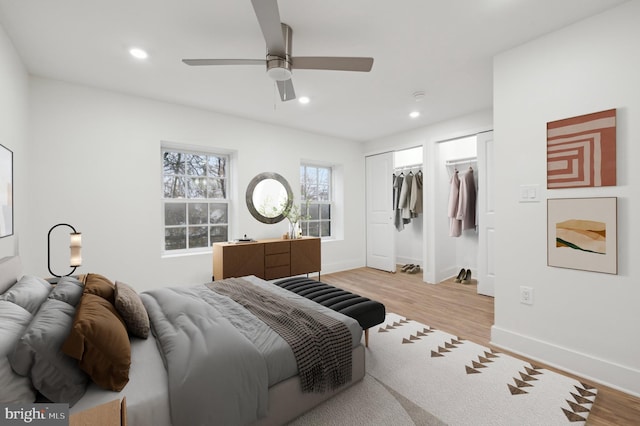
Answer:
(220, 359)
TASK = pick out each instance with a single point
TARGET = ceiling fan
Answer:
(279, 61)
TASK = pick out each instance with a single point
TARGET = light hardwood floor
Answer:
(458, 309)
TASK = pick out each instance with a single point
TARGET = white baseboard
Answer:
(408, 260)
(616, 376)
(329, 268)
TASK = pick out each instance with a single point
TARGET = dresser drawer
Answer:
(280, 259)
(277, 247)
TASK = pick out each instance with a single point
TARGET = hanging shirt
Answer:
(455, 225)
(405, 198)
(415, 203)
(467, 201)
(397, 216)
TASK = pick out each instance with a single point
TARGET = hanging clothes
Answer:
(467, 201)
(415, 203)
(405, 198)
(397, 188)
(455, 225)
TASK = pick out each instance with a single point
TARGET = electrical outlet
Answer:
(526, 295)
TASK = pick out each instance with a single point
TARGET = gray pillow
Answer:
(38, 354)
(13, 321)
(68, 290)
(10, 271)
(29, 293)
(131, 309)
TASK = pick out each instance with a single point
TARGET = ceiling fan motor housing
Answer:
(278, 69)
(279, 63)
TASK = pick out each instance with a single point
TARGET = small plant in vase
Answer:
(294, 215)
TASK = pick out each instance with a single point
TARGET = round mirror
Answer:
(268, 197)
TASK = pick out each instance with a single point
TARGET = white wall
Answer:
(94, 159)
(585, 322)
(13, 134)
(439, 250)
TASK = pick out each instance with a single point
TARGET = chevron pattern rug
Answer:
(417, 375)
(463, 383)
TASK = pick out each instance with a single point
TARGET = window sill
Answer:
(166, 255)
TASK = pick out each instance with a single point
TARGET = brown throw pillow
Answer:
(130, 307)
(99, 285)
(99, 341)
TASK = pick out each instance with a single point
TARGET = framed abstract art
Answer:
(581, 151)
(582, 234)
(6, 192)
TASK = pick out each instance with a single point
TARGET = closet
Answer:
(409, 217)
(426, 240)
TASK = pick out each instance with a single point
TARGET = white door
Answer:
(380, 230)
(486, 215)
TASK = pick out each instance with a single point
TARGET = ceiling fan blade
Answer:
(332, 63)
(286, 90)
(197, 62)
(269, 20)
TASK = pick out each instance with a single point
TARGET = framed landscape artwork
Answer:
(6, 192)
(582, 234)
(581, 151)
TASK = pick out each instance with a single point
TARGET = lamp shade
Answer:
(76, 249)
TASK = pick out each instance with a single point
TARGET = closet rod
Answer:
(410, 166)
(461, 161)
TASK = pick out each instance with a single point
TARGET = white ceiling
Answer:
(443, 48)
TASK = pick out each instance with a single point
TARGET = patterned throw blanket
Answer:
(320, 343)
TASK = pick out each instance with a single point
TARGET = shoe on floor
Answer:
(414, 270)
(467, 277)
(406, 267)
(461, 275)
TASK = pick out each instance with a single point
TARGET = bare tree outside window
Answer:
(194, 195)
(315, 190)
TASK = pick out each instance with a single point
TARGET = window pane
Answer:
(174, 187)
(175, 238)
(314, 211)
(324, 176)
(197, 188)
(216, 188)
(197, 213)
(314, 229)
(325, 211)
(175, 214)
(219, 234)
(217, 167)
(173, 163)
(325, 228)
(196, 164)
(323, 193)
(218, 213)
(198, 236)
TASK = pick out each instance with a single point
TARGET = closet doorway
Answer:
(394, 235)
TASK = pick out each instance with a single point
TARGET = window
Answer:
(195, 200)
(315, 190)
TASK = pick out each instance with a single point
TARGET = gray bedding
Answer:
(220, 359)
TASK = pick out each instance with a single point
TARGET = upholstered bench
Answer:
(366, 311)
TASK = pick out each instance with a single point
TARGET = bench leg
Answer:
(366, 338)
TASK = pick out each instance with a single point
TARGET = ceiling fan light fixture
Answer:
(279, 74)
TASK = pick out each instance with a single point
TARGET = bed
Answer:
(210, 358)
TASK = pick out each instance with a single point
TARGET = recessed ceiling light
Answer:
(414, 114)
(304, 99)
(138, 53)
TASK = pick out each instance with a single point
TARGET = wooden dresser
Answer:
(267, 259)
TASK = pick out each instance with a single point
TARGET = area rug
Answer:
(416, 375)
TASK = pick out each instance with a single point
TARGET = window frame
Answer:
(305, 223)
(227, 184)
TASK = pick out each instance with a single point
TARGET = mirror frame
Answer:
(249, 196)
